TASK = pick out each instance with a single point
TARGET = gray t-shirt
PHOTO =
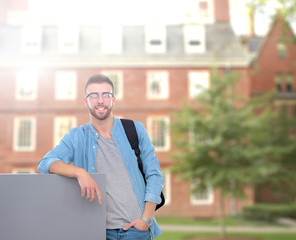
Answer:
(122, 204)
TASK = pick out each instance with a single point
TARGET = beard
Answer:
(100, 115)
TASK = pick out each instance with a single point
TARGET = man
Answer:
(102, 146)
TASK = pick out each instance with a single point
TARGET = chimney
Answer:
(221, 10)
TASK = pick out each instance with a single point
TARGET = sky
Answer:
(142, 12)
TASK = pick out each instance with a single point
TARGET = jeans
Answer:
(131, 234)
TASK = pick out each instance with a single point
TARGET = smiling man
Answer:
(101, 146)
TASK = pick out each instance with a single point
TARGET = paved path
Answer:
(188, 228)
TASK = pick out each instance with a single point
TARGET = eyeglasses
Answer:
(107, 96)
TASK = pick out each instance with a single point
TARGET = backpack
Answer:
(132, 136)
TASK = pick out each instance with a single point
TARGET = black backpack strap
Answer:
(132, 136)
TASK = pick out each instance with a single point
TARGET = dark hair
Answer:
(98, 78)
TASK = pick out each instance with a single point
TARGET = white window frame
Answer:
(57, 124)
(197, 201)
(194, 34)
(23, 171)
(26, 81)
(167, 186)
(166, 120)
(111, 39)
(155, 38)
(17, 122)
(118, 86)
(31, 39)
(68, 36)
(162, 77)
(69, 78)
(198, 82)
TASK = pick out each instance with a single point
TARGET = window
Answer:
(155, 39)
(198, 82)
(31, 40)
(117, 79)
(281, 49)
(289, 82)
(194, 38)
(23, 171)
(24, 134)
(111, 39)
(278, 82)
(68, 39)
(159, 133)
(66, 85)
(202, 197)
(26, 85)
(157, 85)
(62, 125)
(167, 186)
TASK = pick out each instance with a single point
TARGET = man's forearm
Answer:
(149, 210)
(65, 169)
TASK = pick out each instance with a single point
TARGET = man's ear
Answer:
(85, 101)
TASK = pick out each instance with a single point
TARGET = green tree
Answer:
(222, 141)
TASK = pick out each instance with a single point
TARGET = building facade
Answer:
(44, 66)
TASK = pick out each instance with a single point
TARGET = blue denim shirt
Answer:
(79, 146)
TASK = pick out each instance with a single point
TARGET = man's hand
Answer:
(88, 186)
(138, 224)
(86, 182)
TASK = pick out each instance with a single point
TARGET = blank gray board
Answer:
(49, 207)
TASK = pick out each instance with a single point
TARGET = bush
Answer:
(269, 212)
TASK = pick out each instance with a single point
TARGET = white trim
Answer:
(206, 63)
(194, 38)
(162, 78)
(208, 201)
(198, 82)
(111, 39)
(155, 38)
(166, 120)
(168, 186)
(23, 171)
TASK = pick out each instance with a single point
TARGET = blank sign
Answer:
(49, 207)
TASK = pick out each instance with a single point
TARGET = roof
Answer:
(222, 45)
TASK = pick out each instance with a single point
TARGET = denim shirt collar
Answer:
(94, 131)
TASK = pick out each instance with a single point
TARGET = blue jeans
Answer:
(131, 234)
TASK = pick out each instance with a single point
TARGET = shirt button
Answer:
(93, 168)
(94, 146)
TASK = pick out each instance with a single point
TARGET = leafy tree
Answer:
(222, 141)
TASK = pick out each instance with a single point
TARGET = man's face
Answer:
(99, 100)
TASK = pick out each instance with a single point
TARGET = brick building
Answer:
(44, 66)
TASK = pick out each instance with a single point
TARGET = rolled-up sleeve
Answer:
(151, 167)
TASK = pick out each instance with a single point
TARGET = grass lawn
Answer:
(261, 236)
(230, 221)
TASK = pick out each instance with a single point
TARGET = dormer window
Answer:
(194, 38)
(111, 37)
(31, 39)
(155, 39)
(68, 39)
